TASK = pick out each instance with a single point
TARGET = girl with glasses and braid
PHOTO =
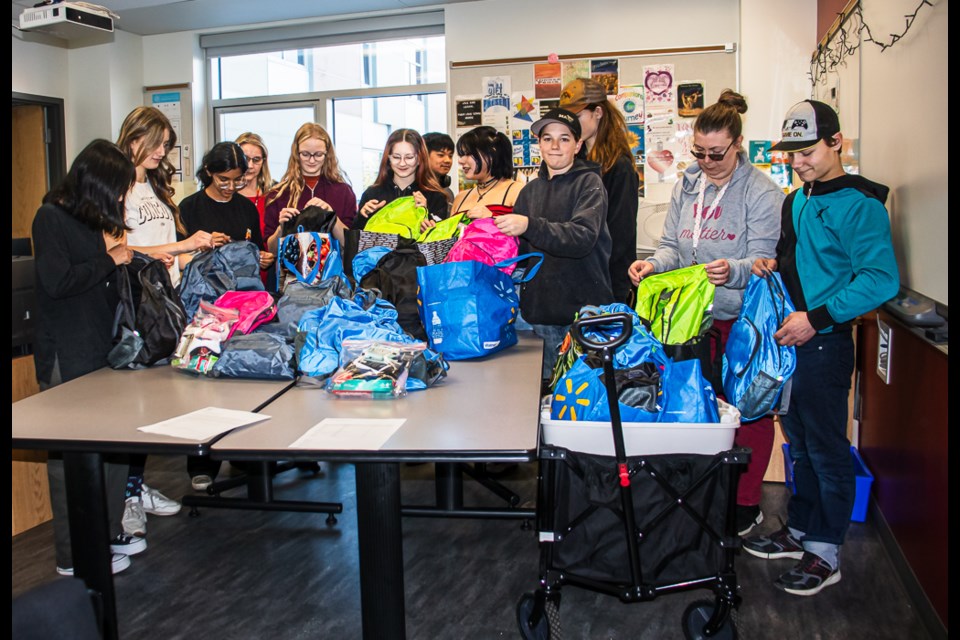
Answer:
(724, 214)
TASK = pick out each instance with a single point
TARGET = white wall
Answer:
(516, 28)
(903, 128)
(774, 61)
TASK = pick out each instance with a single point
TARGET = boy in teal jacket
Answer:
(836, 259)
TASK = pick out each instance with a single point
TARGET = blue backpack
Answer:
(755, 367)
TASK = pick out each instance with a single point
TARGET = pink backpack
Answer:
(481, 240)
(253, 307)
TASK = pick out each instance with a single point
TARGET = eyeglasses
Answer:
(716, 157)
(407, 159)
(254, 159)
(226, 183)
(319, 155)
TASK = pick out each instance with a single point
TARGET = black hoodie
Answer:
(568, 225)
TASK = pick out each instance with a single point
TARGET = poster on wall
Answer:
(468, 112)
(660, 90)
(630, 102)
(546, 80)
(543, 106)
(606, 72)
(496, 102)
(689, 99)
(635, 139)
(526, 152)
(759, 151)
(574, 69)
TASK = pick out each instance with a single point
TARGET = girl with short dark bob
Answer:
(485, 156)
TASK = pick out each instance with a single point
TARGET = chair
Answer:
(64, 609)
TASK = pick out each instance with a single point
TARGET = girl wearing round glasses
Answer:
(404, 171)
(219, 208)
(313, 178)
(724, 214)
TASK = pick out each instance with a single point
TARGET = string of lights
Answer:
(850, 36)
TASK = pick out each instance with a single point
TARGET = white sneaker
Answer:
(118, 563)
(128, 545)
(157, 504)
(134, 519)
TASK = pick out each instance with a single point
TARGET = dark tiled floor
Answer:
(250, 574)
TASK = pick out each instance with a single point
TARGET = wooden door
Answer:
(29, 171)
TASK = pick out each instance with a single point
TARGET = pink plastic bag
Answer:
(481, 240)
(253, 307)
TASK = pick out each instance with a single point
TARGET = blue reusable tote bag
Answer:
(755, 367)
(469, 308)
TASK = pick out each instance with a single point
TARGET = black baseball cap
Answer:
(807, 123)
(561, 116)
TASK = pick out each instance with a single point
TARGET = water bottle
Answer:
(436, 329)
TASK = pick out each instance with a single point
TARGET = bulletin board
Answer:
(660, 92)
(175, 101)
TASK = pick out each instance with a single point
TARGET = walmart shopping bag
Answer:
(469, 308)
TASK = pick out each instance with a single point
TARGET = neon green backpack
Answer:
(443, 230)
(676, 303)
(401, 217)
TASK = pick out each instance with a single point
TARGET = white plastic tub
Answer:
(644, 438)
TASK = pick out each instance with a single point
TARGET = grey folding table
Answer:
(486, 410)
(99, 414)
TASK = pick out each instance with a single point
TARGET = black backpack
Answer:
(395, 276)
(150, 316)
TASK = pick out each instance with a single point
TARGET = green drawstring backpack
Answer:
(678, 304)
(443, 230)
(401, 217)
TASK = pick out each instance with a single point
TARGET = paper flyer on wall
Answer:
(526, 152)
(630, 102)
(574, 69)
(689, 99)
(546, 80)
(658, 81)
(607, 73)
(662, 149)
(496, 103)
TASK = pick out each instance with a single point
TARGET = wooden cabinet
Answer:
(31, 493)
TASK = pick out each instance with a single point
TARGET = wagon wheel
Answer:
(546, 628)
(697, 615)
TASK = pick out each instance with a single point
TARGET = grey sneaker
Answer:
(134, 519)
(128, 545)
(157, 504)
(118, 563)
(779, 544)
(809, 577)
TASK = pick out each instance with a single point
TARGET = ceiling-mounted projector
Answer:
(66, 20)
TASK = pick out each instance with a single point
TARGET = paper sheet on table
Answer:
(203, 424)
(354, 434)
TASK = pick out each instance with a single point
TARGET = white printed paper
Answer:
(204, 424)
(354, 434)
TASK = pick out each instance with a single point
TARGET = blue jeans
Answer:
(552, 335)
(816, 425)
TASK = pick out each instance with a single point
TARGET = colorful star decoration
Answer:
(524, 109)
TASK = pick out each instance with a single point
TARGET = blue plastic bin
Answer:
(864, 481)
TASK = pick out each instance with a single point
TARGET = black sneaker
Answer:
(747, 518)
(128, 545)
(810, 575)
(779, 544)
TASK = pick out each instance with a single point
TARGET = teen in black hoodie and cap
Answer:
(563, 215)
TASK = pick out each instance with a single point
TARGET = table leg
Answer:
(380, 537)
(89, 531)
(449, 479)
